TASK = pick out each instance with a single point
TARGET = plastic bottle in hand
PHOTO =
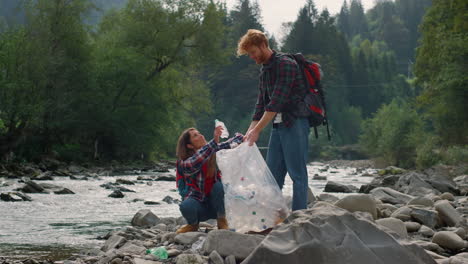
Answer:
(225, 132)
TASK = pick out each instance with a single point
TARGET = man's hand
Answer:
(257, 126)
(252, 136)
(217, 133)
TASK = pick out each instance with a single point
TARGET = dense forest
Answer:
(85, 80)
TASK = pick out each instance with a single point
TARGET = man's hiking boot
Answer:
(187, 228)
(222, 223)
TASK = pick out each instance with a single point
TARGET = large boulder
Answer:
(327, 234)
(145, 218)
(231, 243)
(450, 240)
(416, 184)
(447, 213)
(426, 217)
(14, 197)
(32, 187)
(115, 241)
(389, 195)
(358, 202)
(333, 187)
(396, 225)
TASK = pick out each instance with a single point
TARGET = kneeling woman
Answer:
(199, 180)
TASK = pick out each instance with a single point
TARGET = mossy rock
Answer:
(391, 170)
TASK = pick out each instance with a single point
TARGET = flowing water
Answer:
(57, 226)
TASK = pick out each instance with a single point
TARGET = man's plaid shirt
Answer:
(280, 88)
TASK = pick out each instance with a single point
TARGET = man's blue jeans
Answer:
(195, 211)
(287, 153)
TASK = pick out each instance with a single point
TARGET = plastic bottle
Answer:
(159, 252)
(198, 245)
(225, 132)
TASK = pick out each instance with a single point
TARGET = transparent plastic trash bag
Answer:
(252, 198)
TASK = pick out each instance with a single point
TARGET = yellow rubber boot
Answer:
(222, 223)
(187, 228)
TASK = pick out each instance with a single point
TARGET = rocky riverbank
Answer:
(400, 217)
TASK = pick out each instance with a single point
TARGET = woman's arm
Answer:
(196, 161)
(237, 139)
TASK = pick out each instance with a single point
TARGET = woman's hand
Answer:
(217, 133)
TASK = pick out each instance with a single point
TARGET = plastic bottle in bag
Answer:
(198, 245)
(225, 132)
(159, 252)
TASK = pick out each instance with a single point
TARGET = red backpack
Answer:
(313, 105)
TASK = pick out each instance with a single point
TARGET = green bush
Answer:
(393, 134)
(427, 153)
(455, 155)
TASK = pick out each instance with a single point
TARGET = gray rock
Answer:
(319, 178)
(338, 187)
(145, 218)
(188, 238)
(168, 237)
(435, 256)
(388, 195)
(14, 197)
(190, 259)
(161, 226)
(461, 258)
(215, 258)
(447, 213)
(223, 240)
(166, 177)
(426, 231)
(32, 187)
(396, 225)
(449, 240)
(429, 246)
(310, 196)
(358, 202)
(131, 249)
(390, 207)
(447, 196)
(168, 199)
(64, 191)
(327, 197)
(113, 242)
(144, 261)
(461, 232)
(425, 217)
(116, 261)
(412, 226)
(415, 183)
(116, 194)
(230, 260)
(402, 213)
(124, 181)
(173, 252)
(327, 234)
(424, 201)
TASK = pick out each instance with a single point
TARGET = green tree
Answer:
(343, 20)
(148, 57)
(387, 26)
(441, 64)
(20, 88)
(357, 20)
